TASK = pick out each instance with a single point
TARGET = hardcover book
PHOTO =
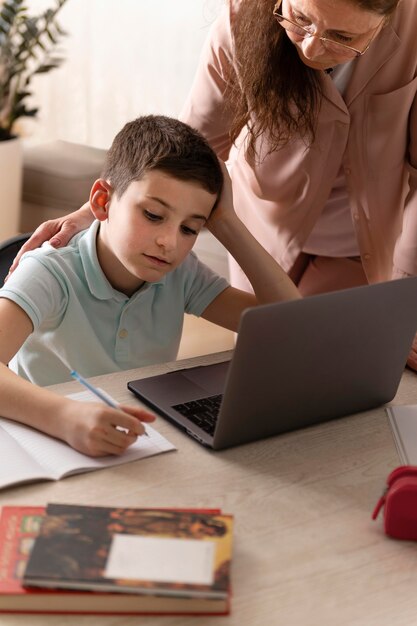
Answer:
(158, 555)
(19, 527)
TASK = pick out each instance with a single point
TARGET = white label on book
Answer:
(161, 559)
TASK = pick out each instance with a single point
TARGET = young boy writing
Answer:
(115, 297)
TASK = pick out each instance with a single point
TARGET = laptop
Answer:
(295, 364)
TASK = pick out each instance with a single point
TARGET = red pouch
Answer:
(400, 503)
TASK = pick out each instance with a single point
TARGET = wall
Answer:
(123, 58)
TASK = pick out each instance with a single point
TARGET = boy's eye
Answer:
(152, 216)
(188, 231)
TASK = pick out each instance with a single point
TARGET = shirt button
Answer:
(356, 217)
(123, 333)
(366, 256)
(348, 170)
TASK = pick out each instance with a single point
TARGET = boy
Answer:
(115, 297)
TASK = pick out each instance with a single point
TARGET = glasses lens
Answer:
(293, 28)
(337, 48)
(331, 46)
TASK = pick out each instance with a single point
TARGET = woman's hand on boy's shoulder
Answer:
(58, 232)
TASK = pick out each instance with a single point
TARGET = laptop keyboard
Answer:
(203, 412)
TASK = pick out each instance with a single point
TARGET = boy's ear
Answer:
(100, 196)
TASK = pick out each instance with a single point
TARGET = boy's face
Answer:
(150, 230)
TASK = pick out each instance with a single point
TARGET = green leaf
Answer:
(28, 46)
(22, 111)
(5, 134)
(43, 69)
(51, 38)
(30, 112)
(21, 95)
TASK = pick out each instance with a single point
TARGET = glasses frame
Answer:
(357, 53)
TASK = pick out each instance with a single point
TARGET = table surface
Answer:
(306, 551)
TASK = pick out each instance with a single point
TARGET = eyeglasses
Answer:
(332, 46)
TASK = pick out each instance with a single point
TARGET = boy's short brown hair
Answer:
(157, 142)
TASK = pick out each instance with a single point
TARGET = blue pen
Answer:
(97, 392)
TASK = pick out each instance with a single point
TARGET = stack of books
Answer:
(108, 560)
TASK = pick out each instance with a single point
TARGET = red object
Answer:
(400, 503)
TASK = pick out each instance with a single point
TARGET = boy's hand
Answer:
(95, 429)
(224, 209)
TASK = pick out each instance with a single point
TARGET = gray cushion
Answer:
(59, 174)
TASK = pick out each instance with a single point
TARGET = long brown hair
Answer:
(274, 92)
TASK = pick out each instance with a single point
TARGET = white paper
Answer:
(161, 559)
(15, 464)
(27, 454)
(403, 422)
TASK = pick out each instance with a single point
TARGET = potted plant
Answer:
(28, 46)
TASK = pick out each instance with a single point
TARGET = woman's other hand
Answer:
(412, 357)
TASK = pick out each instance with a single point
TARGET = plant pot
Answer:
(11, 164)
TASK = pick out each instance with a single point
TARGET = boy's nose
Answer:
(167, 239)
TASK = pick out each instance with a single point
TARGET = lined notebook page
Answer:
(16, 466)
(27, 454)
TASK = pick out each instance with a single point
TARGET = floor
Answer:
(200, 336)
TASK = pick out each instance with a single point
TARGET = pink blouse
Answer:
(370, 136)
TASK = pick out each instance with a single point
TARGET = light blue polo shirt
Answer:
(80, 322)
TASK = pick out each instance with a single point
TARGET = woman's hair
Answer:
(157, 142)
(275, 92)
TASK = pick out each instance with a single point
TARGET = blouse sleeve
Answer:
(405, 254)
(205, 108)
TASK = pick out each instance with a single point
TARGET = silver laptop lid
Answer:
(303, 362)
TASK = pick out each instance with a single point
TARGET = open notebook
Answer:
(27, 455)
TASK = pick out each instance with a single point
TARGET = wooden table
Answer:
(306, 551)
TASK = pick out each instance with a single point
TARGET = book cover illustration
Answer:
(19, 527)
(75, 545)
